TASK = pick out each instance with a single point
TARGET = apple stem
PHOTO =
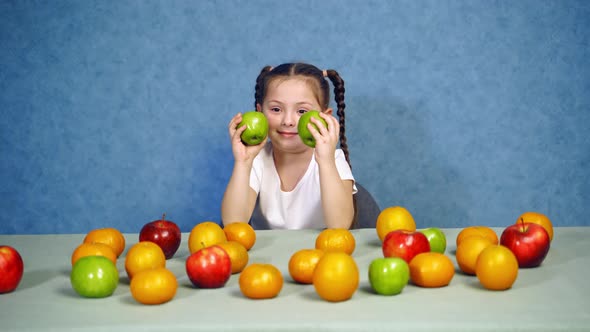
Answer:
(164, 216)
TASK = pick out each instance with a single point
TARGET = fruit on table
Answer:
(336, 277)
(155, 286)
(529, 242)
(256, 127)
(468, 252)
(431, 269)
(110, 236)
(405, 244)
(394, 218)
(496, 268)
(484, 231)
(388, 275)
(436, 238)
(238, 255)
(336, 239)
(11, 269)
(94, 276)
(209, 267)
(537, 218)
(260, 281)
(94, 249)
(302, 264)
(205, 234)
(304, 133)
(144, 255)
(164, 233)
(240, 232)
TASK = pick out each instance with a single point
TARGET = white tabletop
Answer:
(555, 296)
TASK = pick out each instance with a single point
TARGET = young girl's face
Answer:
(285, 102)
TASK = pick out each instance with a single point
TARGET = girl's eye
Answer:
(301, 111)
(275, 109)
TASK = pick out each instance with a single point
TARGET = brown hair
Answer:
(315, 77)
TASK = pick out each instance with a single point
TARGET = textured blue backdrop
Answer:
(465, 112)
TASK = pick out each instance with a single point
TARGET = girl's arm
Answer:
(336, 196)
(336, 193)
(239, 199)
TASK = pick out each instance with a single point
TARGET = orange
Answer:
(303, 263)
(394, 218)
(240, 232)
(94, 249)
(431, 269)
(336, 277)
(537, 218)
(497, 268)
(110, 236)
(336, 239)
(468, 251)
(155, 286)
(261, 281)
(484, 231)
(238, 255)
(144, 255)
(204, 235)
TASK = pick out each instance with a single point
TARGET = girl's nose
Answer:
(290, 119)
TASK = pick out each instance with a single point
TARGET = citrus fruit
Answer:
(537, 218)
(484, 231)
(497, 268)
(261, 281)
(394, 218)
(155, 286)
(240, 232)
(142, 256)
(94, 249)
(336, 277)
(205, 235)
(336, 239)
(110, 236)
(468, 251)
(238, 255)
(302, 264)
(431, 269)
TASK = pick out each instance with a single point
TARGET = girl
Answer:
(284, 174)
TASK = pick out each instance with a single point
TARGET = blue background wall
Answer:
(465, 112)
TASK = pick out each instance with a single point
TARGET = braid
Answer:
(338, 83)
(258, 89)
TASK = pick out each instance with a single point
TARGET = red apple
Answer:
(528, 241)
(164, 233)
(405, 244)
(209, 267)
(11, 269)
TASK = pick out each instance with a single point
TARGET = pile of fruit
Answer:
(408, 255)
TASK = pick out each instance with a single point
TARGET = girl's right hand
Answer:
(241, 151)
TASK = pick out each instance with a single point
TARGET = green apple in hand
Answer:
(304, 133)
(256, 127)
(436, 238)
(389, 275)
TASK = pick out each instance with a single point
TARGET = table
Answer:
(555, 296)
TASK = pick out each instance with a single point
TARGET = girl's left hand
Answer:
(326, 138)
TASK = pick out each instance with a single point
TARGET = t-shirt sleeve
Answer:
(343, 169)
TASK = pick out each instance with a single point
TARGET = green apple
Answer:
(304, 133)
(94, 276)
(256, 127)
(389, 275)
(436, 238)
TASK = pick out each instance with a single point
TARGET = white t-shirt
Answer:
(297, 209)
